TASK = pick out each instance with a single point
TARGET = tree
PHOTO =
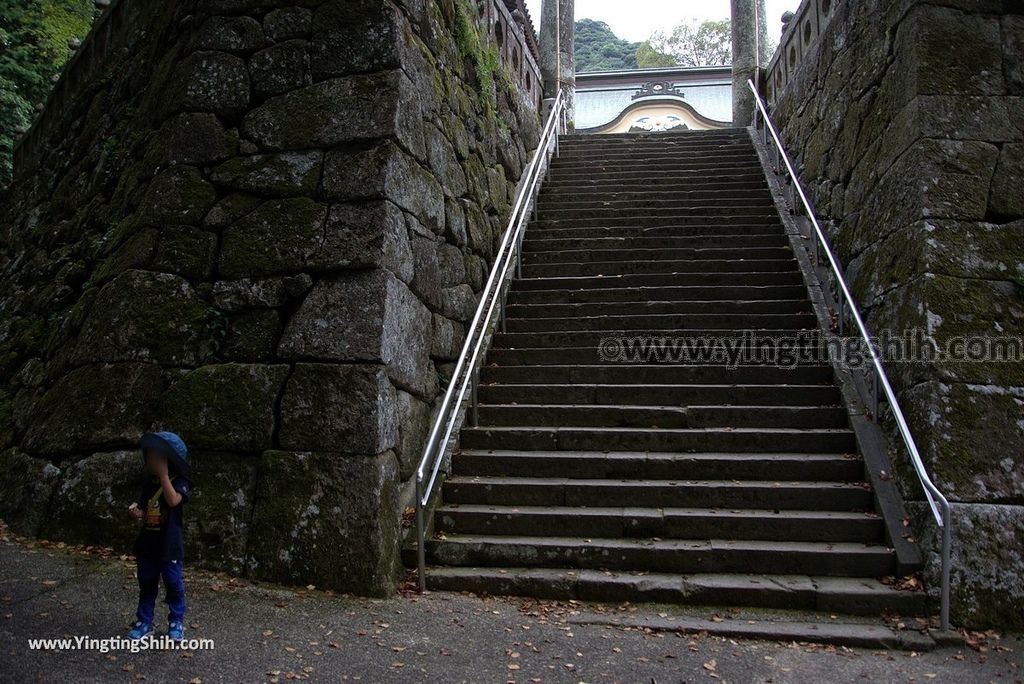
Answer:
(34, 37)
(690, 44)
(599, 49)
(649, 58)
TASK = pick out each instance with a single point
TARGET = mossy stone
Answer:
(146, 316)
(94, 407)
(227, 406)
(90, 502)
(26, 486)
(218, 514)
(327, 519)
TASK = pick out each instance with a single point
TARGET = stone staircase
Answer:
(602, 480)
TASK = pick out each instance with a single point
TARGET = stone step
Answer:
(669, 266)
(590, 492)
(830, 595)
(568, 197)
(659, 140)
(718, 208)
(587, 155)
(679, 181)
(612, 160)
(708, 232)
(725, 354)
(675, 279)
(678, 321)
(765, 217)
(539, 242)
(653, 374)
(696, 339)
(583, 253)
(662, 523)
(742, 440)
(652, 465)
(666, 555)
(666, 416)
(696, 171)
(654, 306)
(698, 394)
(722, 293)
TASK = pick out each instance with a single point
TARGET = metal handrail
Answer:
(935, 498)
(492, 297)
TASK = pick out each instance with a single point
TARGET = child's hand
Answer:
(135, 511)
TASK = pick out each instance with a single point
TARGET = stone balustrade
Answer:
(798, 35)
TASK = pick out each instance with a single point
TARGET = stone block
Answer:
(177, 195)
(451, 265)
(987, 577)
(288, 22)
(218, 515)
(455, 222)
(272, 175)
(186, 251)
(445, 163)
(192, 138)
(281, 237)
(145, 316)
(971, 439)
(90, 503)
(369, 317)
(385, 171)
(236, 295)
(1007, 197)
(367, 234)
(340, 110)
(209, 82)
(953, 53)
(26, 486)
(413, 426)
(229, 34)
(448, 339)
(228, 406)
(1013, 51)
(251, 336)
(280, 68)
(327, 520)
(230, 209)
(426, 282)
(355, 38)
(459, 303)
(339, 407)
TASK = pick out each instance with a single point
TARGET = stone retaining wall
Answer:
(264, 228)
(907, 120)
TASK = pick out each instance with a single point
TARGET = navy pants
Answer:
(150, 571)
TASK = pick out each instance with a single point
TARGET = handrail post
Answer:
(474, 416)
(947, 541)
(421, 552)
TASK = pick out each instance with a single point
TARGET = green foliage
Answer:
(599, 49)
(690, 44)
(485, 60)
(649, 58)
(34, 36)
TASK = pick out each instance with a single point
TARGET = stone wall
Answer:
(261, 224)
(907, 121)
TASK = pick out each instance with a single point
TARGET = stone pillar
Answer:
(749, 35)
(557, 52)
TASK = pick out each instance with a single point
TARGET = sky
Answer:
(636, 20)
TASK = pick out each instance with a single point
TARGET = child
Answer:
(158, 550)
